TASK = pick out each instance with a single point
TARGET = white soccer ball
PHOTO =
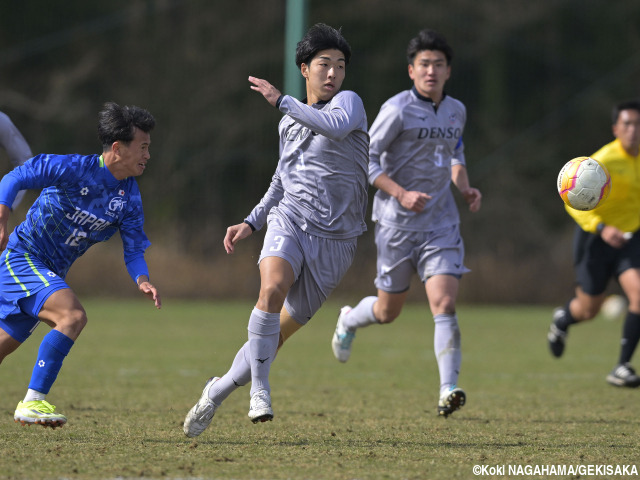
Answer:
(584, 183)
(614, 307)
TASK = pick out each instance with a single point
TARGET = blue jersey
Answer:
(81, 204)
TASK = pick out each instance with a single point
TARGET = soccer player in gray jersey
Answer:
(416, 153)
(16, 147)
(314, 210)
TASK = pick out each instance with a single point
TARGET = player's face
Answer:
(134, 157)
(627, 130)
(429, 73)
(324, 74)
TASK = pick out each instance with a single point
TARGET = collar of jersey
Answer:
(111, 180)
(426, 99)
(321, 102)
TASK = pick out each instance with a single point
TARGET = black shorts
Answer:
(596, 262)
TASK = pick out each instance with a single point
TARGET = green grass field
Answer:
(135, 372)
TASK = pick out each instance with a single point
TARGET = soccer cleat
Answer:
(260, 407)
(342, 338)
(450, 401)
(557, 337)
(199, 417)
(38, 412)
(624, 375)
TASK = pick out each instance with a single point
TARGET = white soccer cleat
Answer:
(260, 407)
(199, 417)
(342, 338)
(451, 400)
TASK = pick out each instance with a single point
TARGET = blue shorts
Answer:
(25, 284)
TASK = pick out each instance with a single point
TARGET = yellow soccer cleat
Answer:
(38, 412)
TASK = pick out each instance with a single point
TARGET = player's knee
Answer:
(585, 312)
(73, 322)
(7, 347)
(445, 304)
(271, 298)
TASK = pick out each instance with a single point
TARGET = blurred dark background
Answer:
(538, 79)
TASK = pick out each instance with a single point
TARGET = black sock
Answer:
(565, 320)
(630, 336)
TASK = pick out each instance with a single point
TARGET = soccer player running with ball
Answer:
(85, 199)
(416, 153)
(607, 245)
(314, 210)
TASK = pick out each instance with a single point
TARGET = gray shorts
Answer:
(318, 263)
(402, 253)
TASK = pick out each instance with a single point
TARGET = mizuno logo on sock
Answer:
(262, 360)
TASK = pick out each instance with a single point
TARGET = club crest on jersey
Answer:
(453, 118)
(117, 204)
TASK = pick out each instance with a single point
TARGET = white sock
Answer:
(446, 344)
(238, 375)
(264, 333)
(361, 315)
(33, 395)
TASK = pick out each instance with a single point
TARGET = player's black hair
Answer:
(428, 39)
(116, 123)
(321, 37)
(626, 105)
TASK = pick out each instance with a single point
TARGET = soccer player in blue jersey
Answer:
(314, 211)
(416, 153)
(16, 147)
(85, 199)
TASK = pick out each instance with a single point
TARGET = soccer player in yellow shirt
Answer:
(607, 245)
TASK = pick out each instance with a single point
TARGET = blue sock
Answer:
(54, 347)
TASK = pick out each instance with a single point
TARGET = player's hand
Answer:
(268, 91)
(414, 201)
(150, 292)
(234, 234)
(473, 197)
(614, 237)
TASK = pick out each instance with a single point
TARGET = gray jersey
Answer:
(321, 179)
(16, 147)
(416, 145)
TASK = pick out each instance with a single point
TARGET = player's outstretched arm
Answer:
(234, 234)
(268, 91)
(149, 290)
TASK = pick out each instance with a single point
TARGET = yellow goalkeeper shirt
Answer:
(622, 208)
